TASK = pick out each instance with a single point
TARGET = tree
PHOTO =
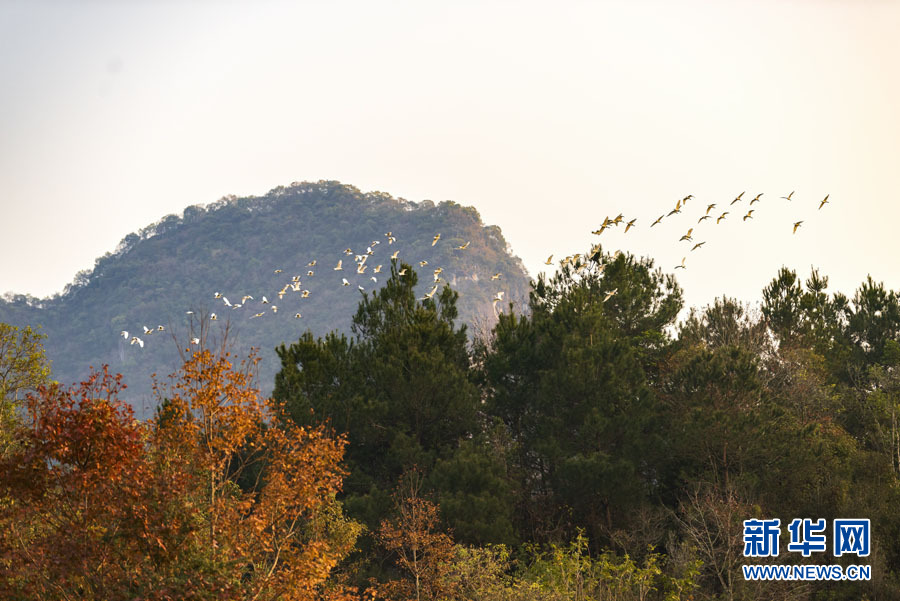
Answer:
(23, 367)
(572, 383)
(399, 388)
(423, 553)
(104, 506)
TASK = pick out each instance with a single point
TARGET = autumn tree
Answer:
(422, 552)
(217, 497)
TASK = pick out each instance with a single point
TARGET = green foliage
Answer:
(572, 381)
(399, 389)
(23, 367)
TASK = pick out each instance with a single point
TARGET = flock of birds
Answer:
(263, 306)
(360, 267)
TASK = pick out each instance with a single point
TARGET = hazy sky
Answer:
(545, 117)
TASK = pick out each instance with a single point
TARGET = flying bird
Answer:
(217, 295)
(498, 296)
(682, 264)
(796, 225)
(339, 268)
(402, 272)
(749, 214)
(674, 212)
(496, 276)
(710, 208)
(737, 198)
(463, 246)
(138, 341)
(423, 263)
(704, 217)
(344, 282)
(265, 301)
(824, 201)
(788, 197)
(549, 260)
(297, 316)
(213, 317)
(721, 217)
(394, 256)
(430, 294)
(756, 199)
(435, 240)
(311, 263)
(260, 314)
(629, 225)
(687, 236)
(124, 334)
(377, 269)
(658, 220)
(610, 294)
(195, 340)
(698, 245)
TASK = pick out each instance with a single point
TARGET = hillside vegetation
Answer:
(234, 246)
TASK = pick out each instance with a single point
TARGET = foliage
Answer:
(105, 507)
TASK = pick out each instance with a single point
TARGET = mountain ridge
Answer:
(234, 246)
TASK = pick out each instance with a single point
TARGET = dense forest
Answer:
(589, 446)
(234, 247)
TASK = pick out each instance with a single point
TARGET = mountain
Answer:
(234, 247)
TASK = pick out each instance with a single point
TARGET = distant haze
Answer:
(544, 117)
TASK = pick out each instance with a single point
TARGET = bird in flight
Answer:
(496, 276)
(629, 225)
(788, 197)
(721, 217)
(704, 217)
(824, 201)
(710, 208)
(297, 316)
(610, 294)
(682, 264)
(265, 301)
(463, 246)
(377, 269)
(402, 272)
(430, 294)
(260, 314)
(436, 238)
(756, 199)
(124, 334)
(311, 263)
(796, 225)
(195, 340)
(213, 317)
(749, 214)
(658, 220)
(394, 256)
(549, 260)
(687, 236)
(339, 268)
(499, 296)
(737, 198)
(674, 211)
(344, 282)
(138, 341)
(698, 245)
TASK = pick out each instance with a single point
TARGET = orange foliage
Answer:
(216, 498)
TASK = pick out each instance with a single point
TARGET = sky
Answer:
(546, 117)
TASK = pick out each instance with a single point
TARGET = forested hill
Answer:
(234, 246)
